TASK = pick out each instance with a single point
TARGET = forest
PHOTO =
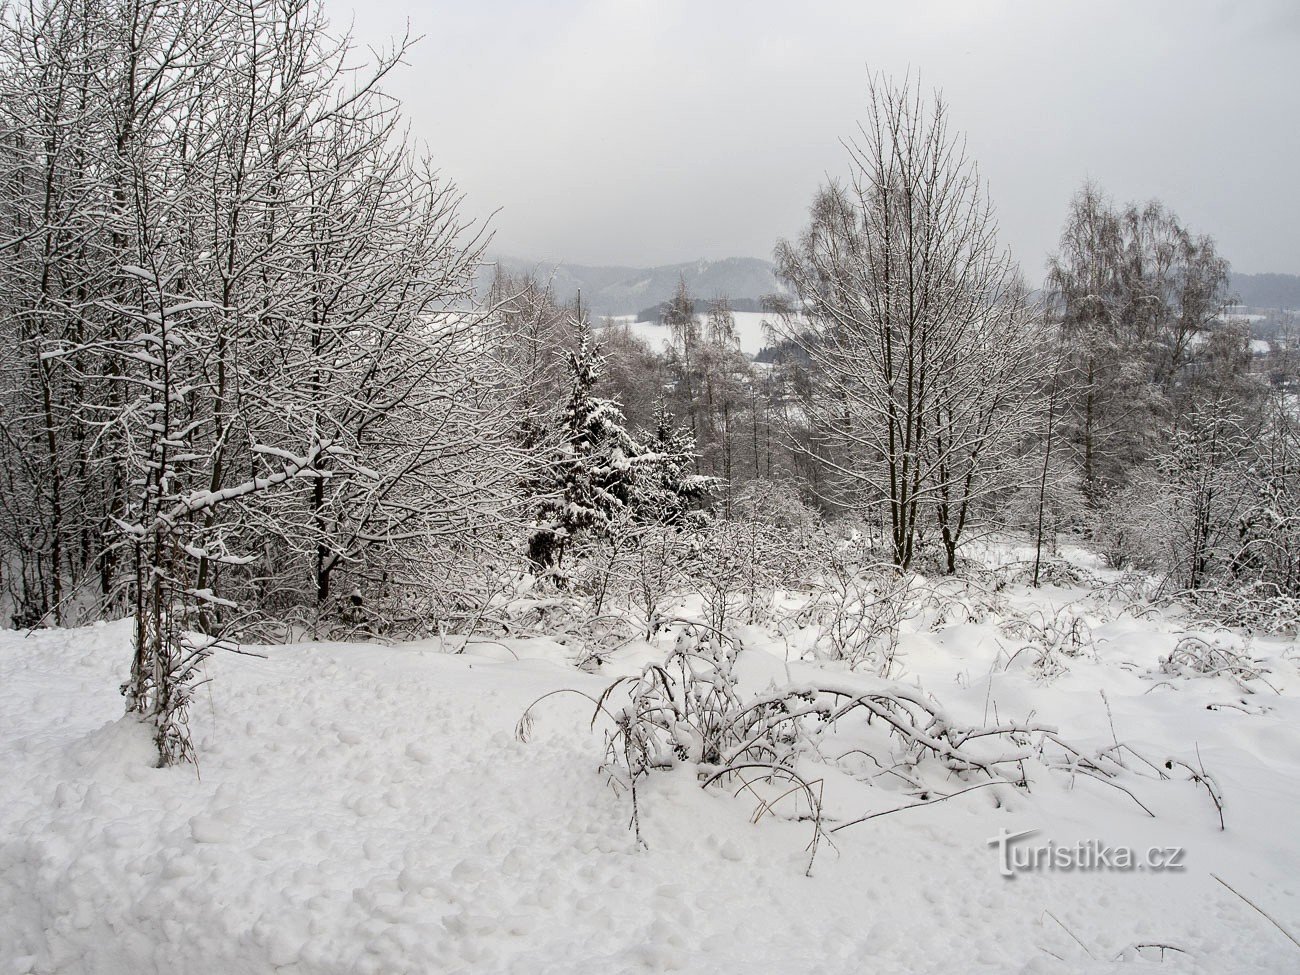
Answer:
(249, 388)
(250, 397)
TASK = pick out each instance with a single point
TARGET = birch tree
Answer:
(1137, 296)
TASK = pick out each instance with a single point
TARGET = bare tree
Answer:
(1136, 295)
(54, 258)
(246, 353)
(684, 326)
(912, 318)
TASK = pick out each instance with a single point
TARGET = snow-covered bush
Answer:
(1221, 655)
(1132, 528)
(1051, 572)
(1049, 642)
(857, 605)
(1131, 594)
(656, 573)
(1261, 607)
(737, 564)
(1063, 631)
(963, 600)
(690, 710)
(730, 568)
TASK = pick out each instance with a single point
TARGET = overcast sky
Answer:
(656, 131)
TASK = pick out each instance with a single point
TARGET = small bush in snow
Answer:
(689, 710)
(1050, 640)
(1195, 656)
(858, 606)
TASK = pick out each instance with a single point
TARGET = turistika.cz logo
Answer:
(1016, 856)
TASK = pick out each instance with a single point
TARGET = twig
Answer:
(1070, 933)
(1264, 913)
(1138, 946)
(915, 805)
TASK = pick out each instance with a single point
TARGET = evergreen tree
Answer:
(672, 490)
(592, 473)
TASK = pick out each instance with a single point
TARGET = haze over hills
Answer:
(623, 290)
(1267, 290)
(618, 290)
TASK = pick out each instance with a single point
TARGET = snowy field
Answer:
(369, 808)
(751, 330)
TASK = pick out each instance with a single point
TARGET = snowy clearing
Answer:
(368, 808)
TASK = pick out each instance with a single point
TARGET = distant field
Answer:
(751, 329)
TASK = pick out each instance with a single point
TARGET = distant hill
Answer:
(622, 290)
(616, 290)
(1267, 290)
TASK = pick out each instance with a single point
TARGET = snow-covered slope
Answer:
(364, 808)
(752, 330)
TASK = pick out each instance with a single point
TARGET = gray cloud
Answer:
(648, 131)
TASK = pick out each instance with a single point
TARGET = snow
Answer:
(368, 808)
(751, 330)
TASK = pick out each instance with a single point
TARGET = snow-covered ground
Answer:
(751, 330)
(368, 808)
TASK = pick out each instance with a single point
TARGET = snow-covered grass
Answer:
(369, 808)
